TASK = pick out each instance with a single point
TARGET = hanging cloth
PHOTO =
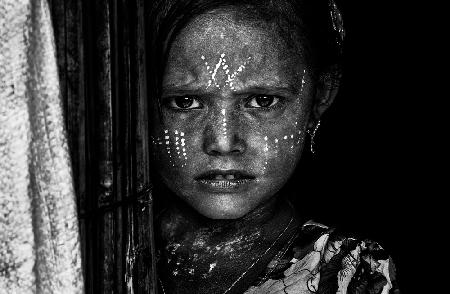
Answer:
(39, 235)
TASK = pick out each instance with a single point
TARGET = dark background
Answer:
(368, 174)
(367, 177)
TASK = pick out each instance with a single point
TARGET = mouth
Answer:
(225, 179)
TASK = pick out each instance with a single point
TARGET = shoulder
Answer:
(319, 259)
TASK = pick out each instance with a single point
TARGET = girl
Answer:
(236, 86)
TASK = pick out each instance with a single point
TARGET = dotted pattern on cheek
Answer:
(183, 146)
(266, 150)
(173, 146)
(299, 132)
(167, 143)
(177, 143)
(276, 143)
(303, 80)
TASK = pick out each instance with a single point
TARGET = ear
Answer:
(326, 90)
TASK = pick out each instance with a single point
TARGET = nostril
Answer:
(214, 152)
(236, 151)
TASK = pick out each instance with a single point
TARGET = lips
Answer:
(224, 179)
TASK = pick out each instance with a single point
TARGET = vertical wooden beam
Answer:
(146, 260)
(101, 59)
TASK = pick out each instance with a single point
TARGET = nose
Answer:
(223, 141)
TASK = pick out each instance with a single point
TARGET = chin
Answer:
(218, 215)
(222, 208)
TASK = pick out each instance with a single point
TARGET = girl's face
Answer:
(236, 101)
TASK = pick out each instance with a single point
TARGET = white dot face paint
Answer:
(275, 145)
(222, 67)
(176, 144)
(216, 68)
(232, 77)
(303, 80)
(266, 150)
(245, 60)
(174, 147)
(169, 149)
(299, 136)
(183, 146)
(224, 122)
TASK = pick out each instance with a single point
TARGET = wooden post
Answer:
(101, 58)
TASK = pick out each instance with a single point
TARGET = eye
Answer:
(184, 102)
(262, 101)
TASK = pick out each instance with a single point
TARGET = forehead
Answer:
(256, 45)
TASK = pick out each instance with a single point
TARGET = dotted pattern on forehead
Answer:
(222, 64)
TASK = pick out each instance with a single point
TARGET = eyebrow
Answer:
(183, 90)
(288, 89)
(259, 89)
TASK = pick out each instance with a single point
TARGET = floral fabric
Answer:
(319, 260)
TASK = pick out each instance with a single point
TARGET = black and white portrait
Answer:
(203, 146)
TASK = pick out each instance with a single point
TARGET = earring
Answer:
(313, 135)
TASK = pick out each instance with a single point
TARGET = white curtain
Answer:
(39, 236)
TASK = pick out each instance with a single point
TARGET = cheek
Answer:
(170, 149)
(283, 150)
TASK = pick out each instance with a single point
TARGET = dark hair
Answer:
(319, 22)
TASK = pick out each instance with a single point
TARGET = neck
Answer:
(180, 219)
(194, 248)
